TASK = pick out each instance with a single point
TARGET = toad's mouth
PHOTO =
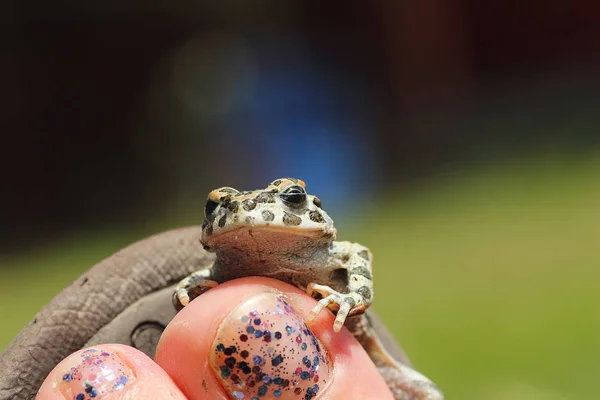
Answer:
(271, 236)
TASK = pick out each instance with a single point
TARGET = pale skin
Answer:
(181, 369)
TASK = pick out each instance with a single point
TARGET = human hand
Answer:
(245, 339)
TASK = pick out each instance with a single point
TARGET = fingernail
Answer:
(265, 350)
(95, 374)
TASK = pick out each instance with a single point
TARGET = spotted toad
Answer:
(283, 232)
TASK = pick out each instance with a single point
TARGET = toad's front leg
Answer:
(356, 260)
(193, 286)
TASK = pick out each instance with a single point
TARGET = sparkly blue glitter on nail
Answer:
(238, 395)
(262, 390)
(306, 361)
(277, 360)
(258, 333)
(311, 392)
(225, 372)
(256, 321)
(250, 329)
(256, 359)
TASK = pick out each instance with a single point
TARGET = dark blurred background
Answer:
(457, 139)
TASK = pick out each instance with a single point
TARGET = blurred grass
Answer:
(489, 278)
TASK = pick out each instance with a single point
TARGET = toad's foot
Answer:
(191, 287)
(346, 304)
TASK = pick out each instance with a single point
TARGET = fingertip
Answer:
(107, 371)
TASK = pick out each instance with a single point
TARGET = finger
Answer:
(248, 339)
(110, 371)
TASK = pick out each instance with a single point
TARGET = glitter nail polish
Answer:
(96, 374)
(265, 350)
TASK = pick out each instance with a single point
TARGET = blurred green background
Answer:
(456, 139)
(489, 279)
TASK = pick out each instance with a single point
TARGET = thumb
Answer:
(249, 339)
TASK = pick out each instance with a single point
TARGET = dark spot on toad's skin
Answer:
(328, 235)
(265, 197)
(277, 182)
(317, 202)
(225, 199)
(362, 271)
(315, 216)
(364, 254)
(210, 208)
(340, 275)
(204, 223)
(268, 216)
(249, 220)
(291, 219)
(249, 204)
(364, 292)
(222, 221)
(233, 206)
(236, 218)
(350, 301)
(208, 229)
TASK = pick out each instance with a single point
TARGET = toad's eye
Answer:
(210, 207)
(293, 196)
